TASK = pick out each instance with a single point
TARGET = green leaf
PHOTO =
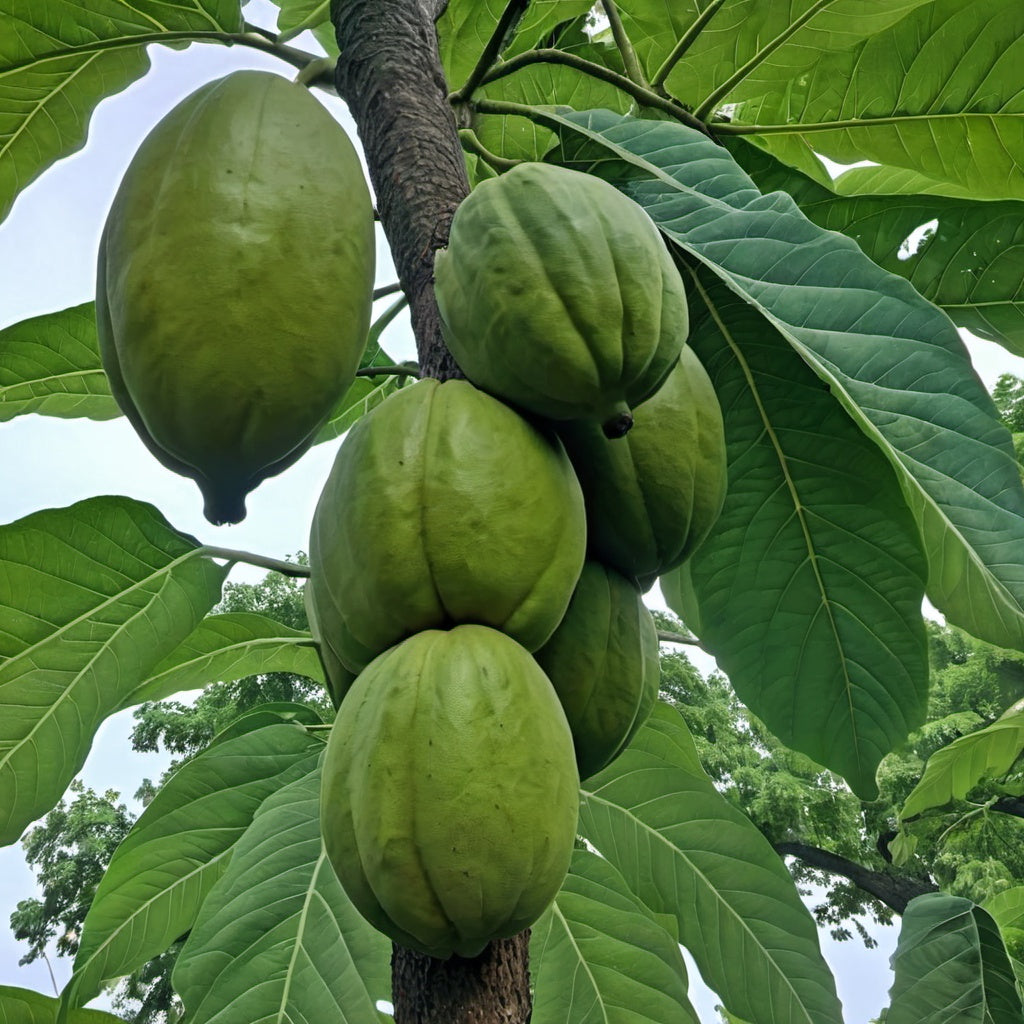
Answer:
(808, 589)
(277, 938)
(227, 647)
(760, 45)
(52, 366)
(952, 772)
(963, 255)
(58, 60)
(296, 16)
(467, 25)
(23, 1006)
(366, 393)
(951, 967)
(91, 597)
(262, 716)
(938, 94)
(599, 955)
(685, 850)
(156, 882)
(1007, 907)
(895, 362)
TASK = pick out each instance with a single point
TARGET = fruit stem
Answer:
(619, 423)
(263, 561)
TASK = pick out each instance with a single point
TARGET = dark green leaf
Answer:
(159, 876)
(685, 850)
(277, 938)
(963, 255)
(91, 597)
(599, 955)
(895, 362)
(227, 647)
(58, 60)
(951, 967)
(808, 590)
(51, 365)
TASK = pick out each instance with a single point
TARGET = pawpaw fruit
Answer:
(449, 793)
(603, 663)
(444, 506)
(234, 283)
(558, 294)
(653, 496)
(339, 679)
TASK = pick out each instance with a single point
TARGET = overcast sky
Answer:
(47, 262)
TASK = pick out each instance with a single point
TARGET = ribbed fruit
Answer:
(234, 283)
(444, 506)
(450, 794)
(603, 663)
(558, 294)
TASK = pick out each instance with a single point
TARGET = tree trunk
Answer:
(390, 76)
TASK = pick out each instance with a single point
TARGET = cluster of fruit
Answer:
(480, 549)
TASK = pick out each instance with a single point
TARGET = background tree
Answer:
(868, 468)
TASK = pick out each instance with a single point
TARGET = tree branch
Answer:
(895, 891)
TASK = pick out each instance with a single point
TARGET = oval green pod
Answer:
(559, 295)
(234, 283)
(450, 794)
(603, 663)
(444, 506)
(654, 495)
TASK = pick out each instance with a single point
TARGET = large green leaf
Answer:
(892, 359)
(961, 254)
(23, 1006)
(91, 597)
(1007, 907)
(686, 851)
(58, 59)
(277, 939)
(466, 26)
(808, 590)
(952, 772)
(758, 45)
(294, 16)
(939, 94)
(226, 647)
(51, 365)
(156, 882)
(951, 967)
(599, 956)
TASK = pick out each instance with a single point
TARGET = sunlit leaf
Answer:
(51, 365)
(227, 647)
(685, 850)
(23, 1006)
(598, 954)
(277, 939)
(295, 16)
(156, 882)
(938, 94)
(58, 60)
(91, 597)
(952, 772)
(951, 967)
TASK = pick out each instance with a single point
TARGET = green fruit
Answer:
(603, 663)
(450, 793)
(558, 294)
(234, 283)
(652, 497)
(444, 506)
(338, 678)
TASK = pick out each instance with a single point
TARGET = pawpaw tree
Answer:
(867, 470)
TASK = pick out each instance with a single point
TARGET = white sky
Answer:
(47, 262)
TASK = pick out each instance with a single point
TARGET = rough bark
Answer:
(895, 891)
(390, 76)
